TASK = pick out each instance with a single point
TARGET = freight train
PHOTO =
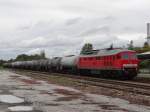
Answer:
(118, 63)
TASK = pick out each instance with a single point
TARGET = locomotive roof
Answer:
(107, 52)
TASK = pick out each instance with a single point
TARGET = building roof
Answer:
(144, 56)
(145, 53)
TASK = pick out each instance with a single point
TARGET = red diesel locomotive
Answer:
(110, 63)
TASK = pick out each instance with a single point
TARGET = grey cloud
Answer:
(93, 31)
(73, 21)
(62, 27)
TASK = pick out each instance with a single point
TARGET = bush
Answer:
(145, 64)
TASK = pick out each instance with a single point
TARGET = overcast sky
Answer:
(61, 27)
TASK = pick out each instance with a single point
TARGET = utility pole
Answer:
(148, 33)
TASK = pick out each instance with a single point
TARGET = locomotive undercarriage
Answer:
(126, 73)
(113, 74)
(130, 73)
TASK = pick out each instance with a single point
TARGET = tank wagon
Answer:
(39, 65)
(69, 64)
(55, 64)
(107, 63)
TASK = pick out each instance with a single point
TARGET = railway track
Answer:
(128, 86)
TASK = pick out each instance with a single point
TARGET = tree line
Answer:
(144, 48)
(25, 57)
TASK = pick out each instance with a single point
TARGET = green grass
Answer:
(1, 67)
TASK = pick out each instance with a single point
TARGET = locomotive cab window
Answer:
(125, 56)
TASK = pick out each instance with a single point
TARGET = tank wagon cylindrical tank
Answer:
(29, 65)
(69, 63)
(55, 63)
(36, 65)
(48, 65)
(45, 64)
(23, 64)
